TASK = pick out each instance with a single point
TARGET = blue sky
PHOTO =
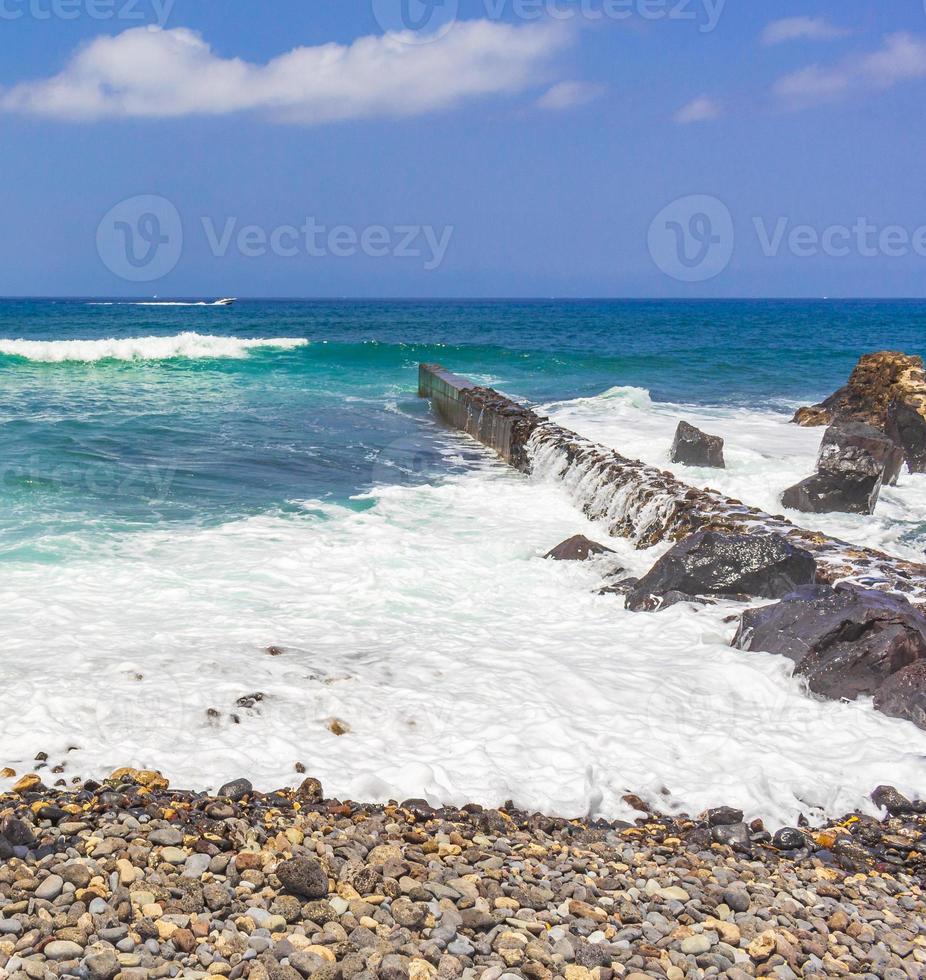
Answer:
(525, 148)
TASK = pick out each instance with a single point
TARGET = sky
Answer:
(462, 148)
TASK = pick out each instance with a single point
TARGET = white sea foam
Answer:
(765, 453)
(466, 667)
(188, 345)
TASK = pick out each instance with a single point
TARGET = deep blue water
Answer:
(111, 445)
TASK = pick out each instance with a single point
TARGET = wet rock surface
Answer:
(857, 448)
(827, 493)
(887, 391)
(711, 563)
(846, 641)
(855, 460)
(124, 880)
(903, 695)
(577, 548)
(696, 448)
(635, 501)
(906, 425)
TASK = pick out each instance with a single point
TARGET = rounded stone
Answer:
(62, 949)
(303, 876)
(49, 889)
(737, 899)
(695, 945)
(236, 790)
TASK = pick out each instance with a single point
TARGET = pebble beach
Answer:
(131, 879)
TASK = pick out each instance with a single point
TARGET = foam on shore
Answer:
(764, 454)
(465, 666)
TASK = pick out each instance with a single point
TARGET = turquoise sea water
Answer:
(91, 447)
(175, 500)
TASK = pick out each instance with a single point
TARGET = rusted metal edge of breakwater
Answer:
(636, 501)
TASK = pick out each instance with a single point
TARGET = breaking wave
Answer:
(186, 345)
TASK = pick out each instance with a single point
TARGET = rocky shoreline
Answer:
(131, 879)
(850, 618)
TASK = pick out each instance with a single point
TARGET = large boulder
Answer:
(906, 425)
(578, 548)
(855, 460)
(824, 493)
(876, 381)
(903, 695)
(845, 640)
(856, 448)
(696, 448)
(714, 563)
(887, 391)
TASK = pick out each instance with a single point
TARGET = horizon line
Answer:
(462, 299)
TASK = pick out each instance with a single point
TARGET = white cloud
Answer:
(813, 85)
(701, 109)
(565, 95)
(802, 28)
(154, 73)
(902, 57)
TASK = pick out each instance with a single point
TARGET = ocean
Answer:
(186, 487)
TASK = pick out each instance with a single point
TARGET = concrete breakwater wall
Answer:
(496, 421)
(636, 501)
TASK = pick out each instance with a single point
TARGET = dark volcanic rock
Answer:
(310, 789)
(696, 448)
(892, 800)
(623, 586)
(638, 601)
(303, 876)
(851, 447)
(16, 831)
(236, 790)
(906, 425)
(824, 493)
(855, 460)
(578, 548)
(735, 835)
(711, 563)
(903, 695)
(722, 815)
(846, 641)
(789, 839)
